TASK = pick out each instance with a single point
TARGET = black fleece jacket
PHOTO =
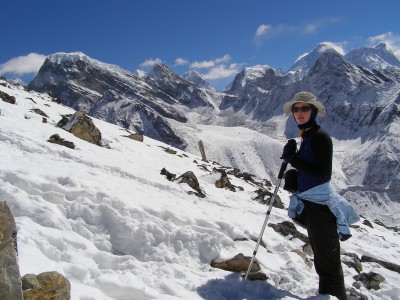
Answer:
(313, 161)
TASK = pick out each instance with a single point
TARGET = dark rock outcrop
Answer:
(288, 228)
(56, 139)
(191, 180)
(7, 98)
(10, 282)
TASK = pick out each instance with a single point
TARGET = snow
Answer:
(106, 219)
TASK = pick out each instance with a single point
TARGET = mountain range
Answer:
(360, 91)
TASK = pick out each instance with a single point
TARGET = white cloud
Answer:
(206, 64)
(202, 64)
(218, 68)
(223, 59)
(265, 31)
(338, 47)
(262, 29)
(150, 62)
(392, 41)
(222, 71)
(181, 61)
(29, 64)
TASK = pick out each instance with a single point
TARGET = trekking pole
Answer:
(280, 176)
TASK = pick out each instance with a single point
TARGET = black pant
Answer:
(322, 231)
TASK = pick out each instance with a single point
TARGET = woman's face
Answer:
(301, 112)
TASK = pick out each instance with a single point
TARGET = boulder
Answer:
(10, 282)
(190, 179)
(46, 286)
(82, 126)
(224, 182)
(370, 280)
(7, 98)
(288, 228)
(238, 263)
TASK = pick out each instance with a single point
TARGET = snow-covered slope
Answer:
(117, 229)
(362, 106)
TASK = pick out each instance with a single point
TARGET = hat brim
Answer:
(287, 107)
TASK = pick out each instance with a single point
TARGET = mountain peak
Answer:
(197, 79)
(61, 57)
(160, 71)
(329, 47)
(379, 57)
(306, 61)
(382, 46)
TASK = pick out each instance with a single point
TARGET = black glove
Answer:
(289, 151)
(290, 181)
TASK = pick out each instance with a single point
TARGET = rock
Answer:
(238, 263)
(190, 179)
(170, 176)
(353, 262)
(370, 280)
(10, 282)
(82, 127)
(56, 139)
(30, 281)
(304, 256)
(39, 112)
(168, 150)
(223, 182)
(308, 249)
(136, 137)
(256, 276)
(262, 193)
(368, 223)
(285, 228)
(354, 292)
(47, 286)
(394, 228)
(388, 265)
(7, 98)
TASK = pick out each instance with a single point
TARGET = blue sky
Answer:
(218, 38)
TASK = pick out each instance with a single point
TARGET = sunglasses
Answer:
(302, 108)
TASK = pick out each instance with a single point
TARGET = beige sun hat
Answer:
(304, 97)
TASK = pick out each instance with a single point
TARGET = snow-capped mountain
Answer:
(362, 107)
(109, 221)
(378, 57)
(308, 60)
(251, 87)
(136, 102)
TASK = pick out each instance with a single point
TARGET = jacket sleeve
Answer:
(322, 148)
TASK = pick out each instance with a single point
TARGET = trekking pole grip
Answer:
(282, 170)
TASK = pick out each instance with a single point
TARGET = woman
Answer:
(313, 162)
